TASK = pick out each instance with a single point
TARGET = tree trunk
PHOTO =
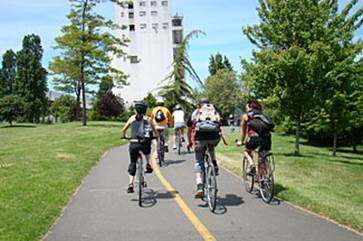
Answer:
(335, 142)
(84, 116)
(297, 135)
(354, 141)
(78, 108)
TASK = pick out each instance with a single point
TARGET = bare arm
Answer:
(244, 127)
(127, 126)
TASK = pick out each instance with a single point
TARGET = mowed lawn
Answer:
(40, 167)
(331, 186)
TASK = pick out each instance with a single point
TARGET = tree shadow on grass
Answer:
(338, 158)
(117, 125)
(18, 126)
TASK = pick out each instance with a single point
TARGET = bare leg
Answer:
(131, 179)
(249, 158)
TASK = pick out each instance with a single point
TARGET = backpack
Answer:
(144, 133)
(208, 119)
(159, 115)
(260, 123)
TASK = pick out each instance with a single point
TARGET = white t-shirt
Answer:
(178, 116)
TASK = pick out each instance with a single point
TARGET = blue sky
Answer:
(221, 20)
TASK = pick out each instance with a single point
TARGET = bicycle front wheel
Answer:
(248, 179)
(211, 188)
(266, 182)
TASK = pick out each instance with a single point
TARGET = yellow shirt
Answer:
(168, 116)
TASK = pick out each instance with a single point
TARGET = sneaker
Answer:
(200, 192)
(174, 147)
(149, 169)
(166, 149)
(216, 168)
(130, 188)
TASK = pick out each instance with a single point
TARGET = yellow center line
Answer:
(199, 226)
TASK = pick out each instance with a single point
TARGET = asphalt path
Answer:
(101, 210)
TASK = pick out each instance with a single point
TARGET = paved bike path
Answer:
(102, 210)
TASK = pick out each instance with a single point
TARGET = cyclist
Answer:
(231, 121)
(178, 116)
(255, 140)
(202, 139)
(141, 136)
(161, 118)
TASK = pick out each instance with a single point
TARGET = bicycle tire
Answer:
(211, 188)
(179, 143)
(161, 153)
(140, 182)
(266, 183)
(248, 180)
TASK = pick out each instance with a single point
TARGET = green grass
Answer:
(331, 186)
(40, 168)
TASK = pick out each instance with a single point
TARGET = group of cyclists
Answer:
(203, 129)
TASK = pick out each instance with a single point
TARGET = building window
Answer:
(132, 27)
(165, 25)
(143, 26)
(131, 15)
(142, 13)
(177, 22)
(142, 4)
(154, 13)
(133, 59)
(130, 5)
(155, 25)
(122, 14)
(123, 36)
(153, 3)
(164, 3)
(177, 36)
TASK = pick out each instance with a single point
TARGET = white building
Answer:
(154, 35)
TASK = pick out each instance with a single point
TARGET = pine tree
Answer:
(8, 73)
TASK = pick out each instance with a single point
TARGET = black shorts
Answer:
(134, 149)
(263, 142)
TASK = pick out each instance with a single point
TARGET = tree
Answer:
(8, 73)
(224, 91)
(31, 77)
(150, 100)
(218, 62)
(301, 45)
(64, 107)
(109, 106)
(87, 46)
(176, 90)
(11, 107)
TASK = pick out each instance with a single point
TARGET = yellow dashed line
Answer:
(199, 226)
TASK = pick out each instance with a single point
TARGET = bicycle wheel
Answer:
(140, 182)
(266, 181)
(179, 142)
(161, 151)
(248, 180)
(211, 187)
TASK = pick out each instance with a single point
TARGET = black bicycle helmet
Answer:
(204, 100)
(140, 107)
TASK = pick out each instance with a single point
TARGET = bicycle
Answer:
(140, 179)
(263, 176)
(161, 146)
(179, 140)
(209, 181)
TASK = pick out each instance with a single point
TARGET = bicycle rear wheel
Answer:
(266, 182)
(211, 188)
(161, 151)
(179, 142)
(140, 182)
(248, 180)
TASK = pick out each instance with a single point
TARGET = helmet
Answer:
(203, 100)
(178, 107)
(159, 101)
(140, 107)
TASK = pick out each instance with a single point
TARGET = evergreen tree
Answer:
(86, 47)
(8, 73)
(218, 62)
(11, 108)
(31, 77)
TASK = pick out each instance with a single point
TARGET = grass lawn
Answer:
(331, 186)
(40, 168)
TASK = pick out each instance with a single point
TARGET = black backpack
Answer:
(144, 133)
(159, 116)
(260, 123)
